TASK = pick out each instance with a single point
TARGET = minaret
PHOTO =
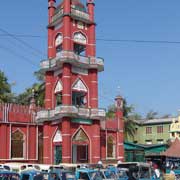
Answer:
(71, 75)
(120, 133)
(32, 106)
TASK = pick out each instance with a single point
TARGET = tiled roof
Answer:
(173, 150)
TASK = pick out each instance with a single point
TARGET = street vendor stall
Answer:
(172, 155)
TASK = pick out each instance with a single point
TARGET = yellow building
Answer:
(175, 129)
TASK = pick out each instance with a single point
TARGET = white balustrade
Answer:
(79, 14)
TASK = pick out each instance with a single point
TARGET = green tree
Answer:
(111, 111)
(39, 93)
(37, 88)
(39, 75)
(152, 114)
(129, 116)
(5, 89)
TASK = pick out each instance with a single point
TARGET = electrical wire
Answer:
(101, 39)
(18, 55)
(139, 41)
(21, 41)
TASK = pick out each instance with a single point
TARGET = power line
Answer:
(102, 39)
(18, 55)
(139, 41)
(21, 41)
(23, 35)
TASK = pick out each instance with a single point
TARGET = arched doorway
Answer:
(17, 144)
(111, 147)
(57, 146)
(80, 147)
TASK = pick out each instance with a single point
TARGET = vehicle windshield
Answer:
(38, 177)
(145, 172)
(96, 175)
(69, 176)
(110, 175)
(9, 177)
(53, 176)
(137, 171)
(122, 173)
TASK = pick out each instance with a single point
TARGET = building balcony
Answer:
(70, 111)
(80, 15)
(74, 59)
(58, 15)
(75, 14)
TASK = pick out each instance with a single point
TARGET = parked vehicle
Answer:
(8, 175)
(31, 174)
(61, 174)
(88, 174)
(137, 170)
(108, 174)
(24, 167)
(122, 173)
(4, 167)
(18, 167)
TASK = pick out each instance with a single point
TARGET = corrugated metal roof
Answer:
(156, 121)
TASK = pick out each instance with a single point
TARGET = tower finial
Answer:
(51, 3)
(118, 90)
(32, 106)
(90, 1)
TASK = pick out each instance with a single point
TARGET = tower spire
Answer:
(51, 8)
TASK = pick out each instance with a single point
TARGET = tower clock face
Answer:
(80, 25)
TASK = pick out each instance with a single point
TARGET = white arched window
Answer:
(58, 43)
(80, 38)
(80, 42)
(58, 137)
(79, 86)
(79, 93)
(111, 147)
(58, 93)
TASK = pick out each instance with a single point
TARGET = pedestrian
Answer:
(172, 172)
(156, 171)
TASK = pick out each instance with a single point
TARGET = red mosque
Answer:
(70, 128)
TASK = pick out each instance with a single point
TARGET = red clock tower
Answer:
(71, 118)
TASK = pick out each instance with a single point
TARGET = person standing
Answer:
(157, 171)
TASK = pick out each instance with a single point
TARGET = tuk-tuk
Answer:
(61, 174)
(8, 175)
(31, 174)
(137, 170)
(88, 174)
(119, 173)
(108, 174)
(4, 167)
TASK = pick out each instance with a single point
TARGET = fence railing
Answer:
(80, 14)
